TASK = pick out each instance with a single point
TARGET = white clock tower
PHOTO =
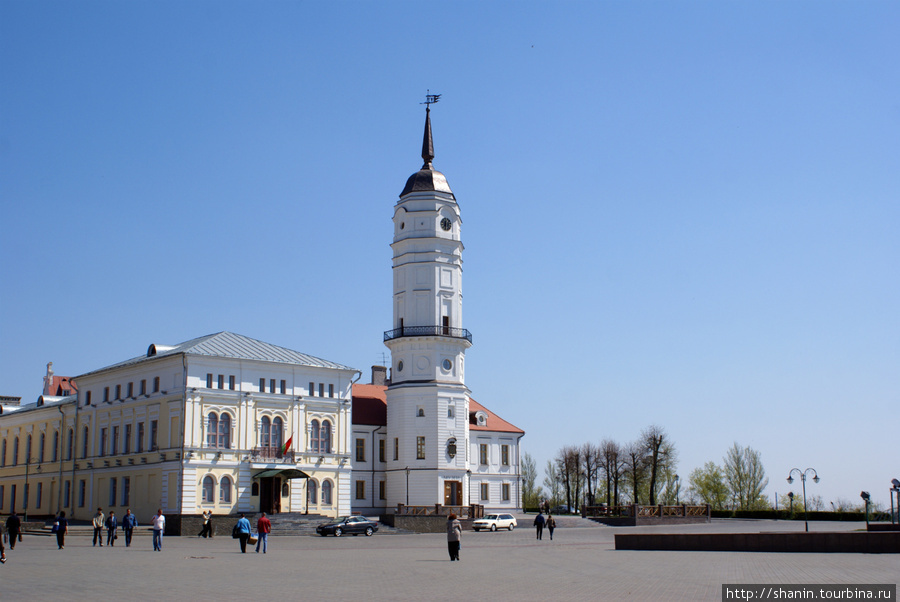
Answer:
(427, 400)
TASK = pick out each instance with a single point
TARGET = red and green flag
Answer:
(287, 445)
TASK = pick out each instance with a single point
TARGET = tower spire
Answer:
(427, 140)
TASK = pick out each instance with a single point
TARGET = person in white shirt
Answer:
(159, 525)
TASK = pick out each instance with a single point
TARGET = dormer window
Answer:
(420, 413)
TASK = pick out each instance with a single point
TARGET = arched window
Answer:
(254, 488)
(16, 452)
(225, 431)
(55, 446)
(311, 493)
(325, 438)
(212, 429)
(277, 433)
(225, 488)
(209, 490)
(326, 493)
(28, 449)
(285, 489)
(265, 430)
(314, 436)
(84, 443)
(43, 440)
(70, 444)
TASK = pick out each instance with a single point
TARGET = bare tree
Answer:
(568, 466)
(590, 462)
(552, 483)
(612, 465)
(635, 468)
(660, 455)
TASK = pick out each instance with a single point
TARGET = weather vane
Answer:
(430, 99)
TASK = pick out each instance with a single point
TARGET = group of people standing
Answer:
(129, 523)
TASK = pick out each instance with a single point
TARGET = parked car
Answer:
(353, 525)
(562, 510)
(495, 521)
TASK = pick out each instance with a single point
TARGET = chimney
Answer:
(379, 375)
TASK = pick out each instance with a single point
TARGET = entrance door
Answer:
(270, 495)
(453, 493)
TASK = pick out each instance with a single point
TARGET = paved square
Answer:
(581, 563)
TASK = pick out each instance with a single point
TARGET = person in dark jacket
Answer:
(112, 525)
(454, 532)
(129, 522)
(13, 527)
(539, 524)
(2, 548)
(551, 525)
(62, 527)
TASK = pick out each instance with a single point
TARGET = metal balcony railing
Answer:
(428, 331)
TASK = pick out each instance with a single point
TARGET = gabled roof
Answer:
(370, 408)
(63, 385)
(232, 346)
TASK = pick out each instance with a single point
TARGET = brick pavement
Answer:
(580, 564)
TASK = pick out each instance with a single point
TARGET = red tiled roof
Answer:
(370, 407)
(493, 422)
(60, 384)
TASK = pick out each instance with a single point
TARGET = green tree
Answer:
(746, 478)
(708, 486)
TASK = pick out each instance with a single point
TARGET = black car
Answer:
(353, 525)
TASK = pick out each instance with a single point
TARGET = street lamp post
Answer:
(802, 474)
(866, 497)
(791, 497)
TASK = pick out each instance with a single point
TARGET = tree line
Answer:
(643, 471)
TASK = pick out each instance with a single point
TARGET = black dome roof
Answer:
(427, 180)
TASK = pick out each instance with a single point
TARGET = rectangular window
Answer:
(118, 392)
(67, 493)
(330, 390)
(156, 384)
(25, 498)
(139, 447)
(126, 490)
(381, 450)
(485, 491)
(154, 431)
(321, 389)
(40, 494)
(420, 448)
(127, 446)
(483, 454)
(87, 398)
(396, 449)
(360, 490)
(55, 446)
(144, 387)
(112, 491)
(130, 390)
(12, 497)
(103, 442)
(221, 381)
(105, 393)
(81, 490)
(271, 385)
(84, 442)
(505, 489)
(312, 389)
(262, 385)
(360, 450)
(2, 496)
(284, 387)
(115, 440)
(231, 382)
(209, 381)
(381, 495)
(504, 455)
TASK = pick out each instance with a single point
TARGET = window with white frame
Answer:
(485, 492)
(312, 492)
(482, 453)
(504, 488)
(225, 490)
(504, 455)
(420, 448)
(326, 492)
(218, 430)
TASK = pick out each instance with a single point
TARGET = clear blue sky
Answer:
(681, 213)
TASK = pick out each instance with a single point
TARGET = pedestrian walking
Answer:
(112, 526)
(159, 525)
(539, 524)
(207, 525)
(454, 532)
(2, 548)
(263, 528)
(242, 528)
(98, 523)
(14, 529)
(129, 522)
(62, 527)
(551, 524)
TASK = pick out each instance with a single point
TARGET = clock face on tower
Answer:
(445, 224)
